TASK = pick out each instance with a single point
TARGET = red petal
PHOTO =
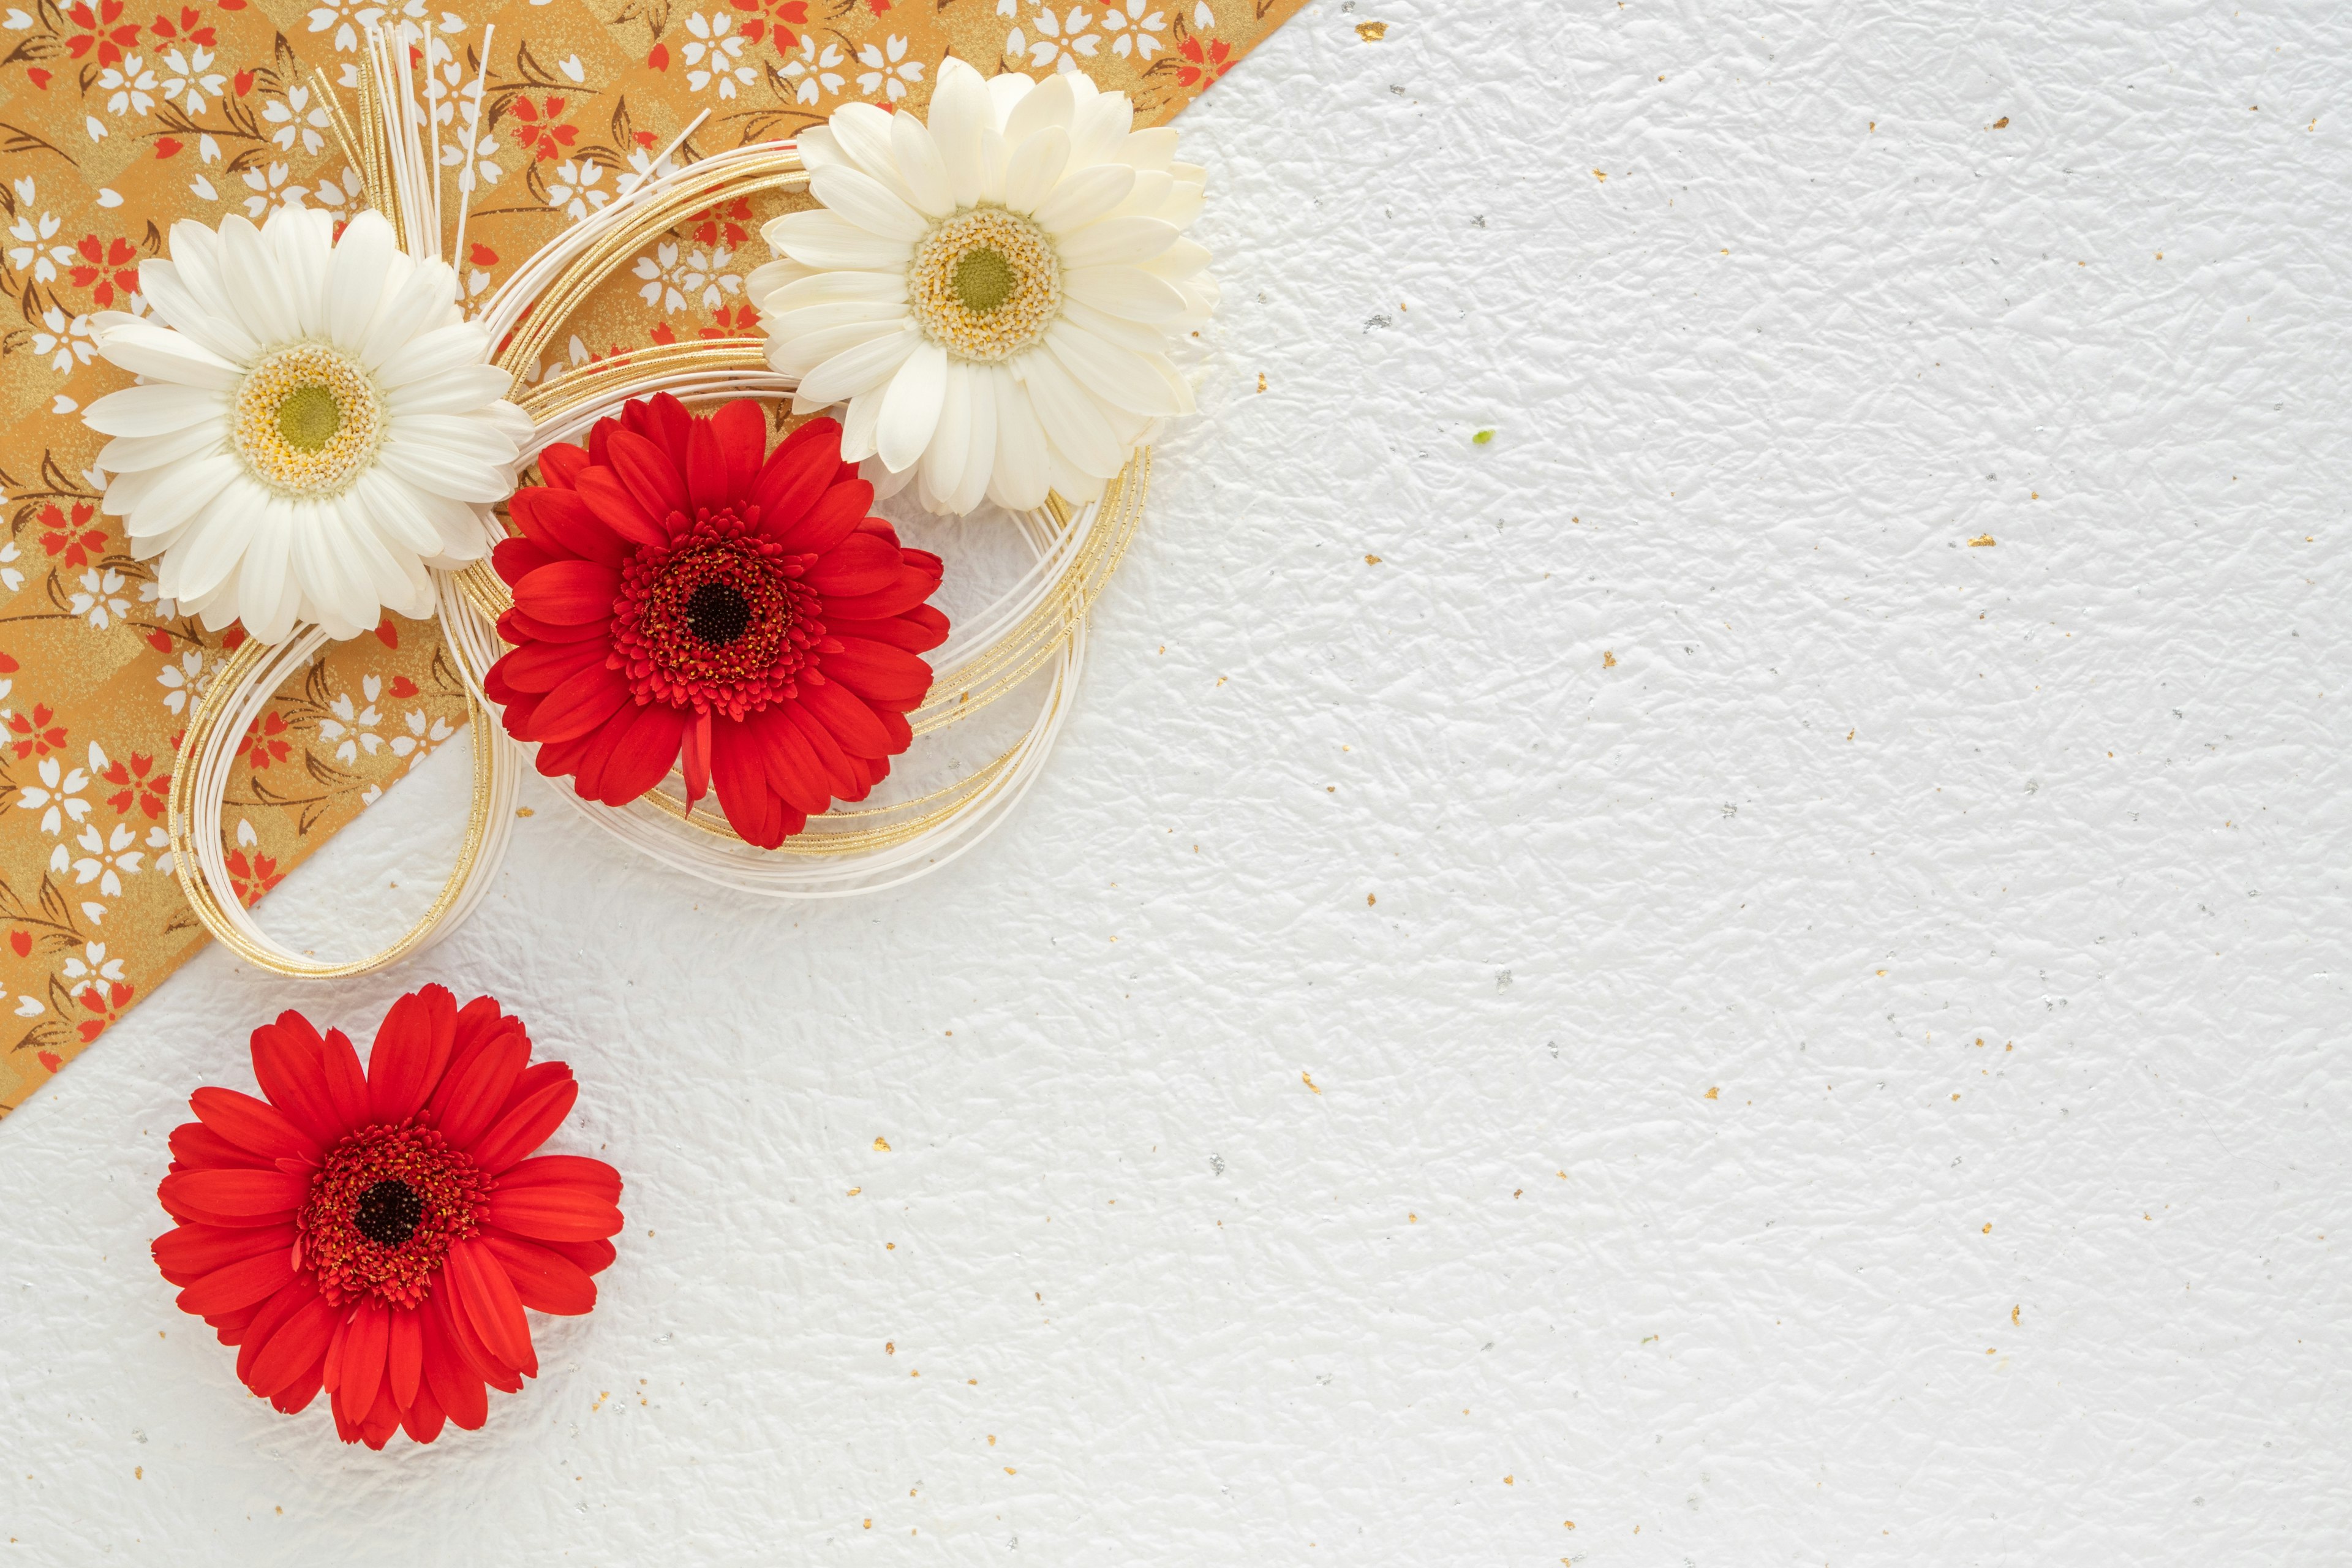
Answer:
(475, 1092)
(740, 763)
(553, 1214)
(479, 1021)
(742, 430)
(347, 1085)
(706, 468)
(796, 474)
(199, 1147)
(286, 1064)
(244, 1283)
(561, 521)
(298, 1347)
(694, 757)
(592, 1176)
(643, 754)
(560, 464)
(593, 1256)
(652, 478)
(526, 1127)
(456, 1387)
(274, 1312)
(568, 593)
(919, 631)
(262, 1195)
(853, 724)
(877, 671)
(422, 1416)
(617, 510)
(382, 1421)
(829, 520)
(839, 779)
(516, 559)
(491, 1305)
(403, 1359)
(544, 666)
(579, 703)
(411, 1052)
(518, 628)
(366, 1343)
(918, 581)
(665, 421)
(792, 768)
(545, 1282)
(859, 565)
(187, 1253)
(295, 1397)
(252, 1124)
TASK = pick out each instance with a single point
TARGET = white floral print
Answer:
(67, 342)
(349, 726)
(714, 55)
(351, 21)
(810, 71)
(888, 69)
(1132, 28)
(418, 744)
(575, 188)
(31, 238)
(676, 279)
(192, 78)
(108, 858)
(185, 682)
(299, 117)
(129, 87)
(57, 797)
(100, 599)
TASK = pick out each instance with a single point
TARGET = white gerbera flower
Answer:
(994, 295)
(316, 424)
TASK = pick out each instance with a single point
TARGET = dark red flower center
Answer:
(384, 1210)
(717, 620)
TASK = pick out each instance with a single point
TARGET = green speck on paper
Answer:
(1481, 438)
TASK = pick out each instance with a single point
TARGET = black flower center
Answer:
(389, 1213)
(718, 612)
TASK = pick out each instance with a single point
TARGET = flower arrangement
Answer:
(377, 1233)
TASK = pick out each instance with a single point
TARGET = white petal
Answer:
(1128, 291)
(159, 513)
(1151, 192)
(267, 595)
(196, 259)
(303, 241)
(823, 239)
(1021, 478)
(855, 370)
(867, 203)
(422, 300)
(166, 355)
(152, 409)
(1113, 374)
(818, 148)
(1140, 336)
(128, 454)
(429, 354)
(358, 278)
(1083, 196)
(770, 276)
(1116, 241)
(249, 276)
(1179, 261)
(861, 132)
(800, 356)
(1051, 104)
(1150, 149)
(1098, 127)
(1073, 421)
(921, 166)
(980, 449)
(858, 424)
(430, 467)
(209, 556)
(1035, 165)
(1006, 91)
(910, 409)
(459, 390)
(399, 512)
(331, 571)
(951, 435)
(836, 288)
(959, 113)
(172, 302)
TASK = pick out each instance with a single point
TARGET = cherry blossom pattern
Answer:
(422, 738)
(107, 857)
(98, 982)
(184, 681)
(1062, 41)
(713, 56)
(888, 70)
(813, 71)
(58, 795)
(576, 189)
(100, 600)
(189, 78)
(1134, 28)
(351, 727)
(675, 278)
(137, 787)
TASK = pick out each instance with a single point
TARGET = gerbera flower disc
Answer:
(378, 1234)
(994, 296)
(316, 423)
(684, 597)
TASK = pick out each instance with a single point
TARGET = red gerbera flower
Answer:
(679, 599)
(379, 1234)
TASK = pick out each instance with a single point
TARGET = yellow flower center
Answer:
(985, 283)
(307, 420)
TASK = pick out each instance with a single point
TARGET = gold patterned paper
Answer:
(120, 117)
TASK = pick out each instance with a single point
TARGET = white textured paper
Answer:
(1845, 1063)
